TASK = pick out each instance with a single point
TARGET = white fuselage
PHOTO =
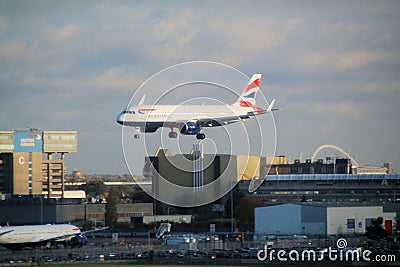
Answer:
(168, 115)
(35, 233)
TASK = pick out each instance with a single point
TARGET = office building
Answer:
(32, 161)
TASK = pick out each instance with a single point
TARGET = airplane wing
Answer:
(211, 122)
(6, 232)
(95, 230)
(63, 237)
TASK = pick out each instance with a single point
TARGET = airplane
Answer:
(18, 237)
(191, 119)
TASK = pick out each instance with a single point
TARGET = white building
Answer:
(290, 219)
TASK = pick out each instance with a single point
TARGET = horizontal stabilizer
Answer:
(271, 106)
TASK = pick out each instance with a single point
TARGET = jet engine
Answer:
(190, 127)
(77, 241)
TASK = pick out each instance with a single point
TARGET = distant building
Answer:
(332, 166)
(389, 167)
(370, 170)
(40, 211)
(320, 181)
(334, 188)
(187, 170)
(32, 161)
(319, 220)
(166, 218)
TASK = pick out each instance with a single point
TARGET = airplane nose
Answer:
(119, 119)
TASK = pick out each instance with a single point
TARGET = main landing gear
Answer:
(200, 136)
(172, 134)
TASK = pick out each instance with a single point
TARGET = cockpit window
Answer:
(128, 111)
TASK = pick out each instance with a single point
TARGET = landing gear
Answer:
(172, 134)
(200, 136)
(136, 136)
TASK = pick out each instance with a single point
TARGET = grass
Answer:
(127, 265)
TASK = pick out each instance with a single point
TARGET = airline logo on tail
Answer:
(248, 96)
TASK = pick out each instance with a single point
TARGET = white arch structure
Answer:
(354, 162)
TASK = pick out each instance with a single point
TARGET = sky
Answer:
(332, 66)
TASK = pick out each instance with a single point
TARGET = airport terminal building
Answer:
(335, 188)
(32, 161)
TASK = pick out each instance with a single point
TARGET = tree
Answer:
(112, 199)
(376, 231)
(244, 212)
(95, 188)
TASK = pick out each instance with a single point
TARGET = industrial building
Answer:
(32, 161)
(167, 171)
(319, 181)
(40, 211)
(334, 188)
(303, 219)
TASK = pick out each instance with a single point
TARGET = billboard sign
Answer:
(28, 141)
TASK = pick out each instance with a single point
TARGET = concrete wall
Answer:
(34, 213)
(337, 218)
(23, 214)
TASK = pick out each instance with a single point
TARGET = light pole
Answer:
(168, 215)
(231, 210)
(41, 209)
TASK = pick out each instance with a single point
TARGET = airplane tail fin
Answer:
(141, 102)
(248, 96)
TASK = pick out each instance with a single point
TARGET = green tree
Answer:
(244, 212)
(112, 199)
(376, 231)
(95, 188)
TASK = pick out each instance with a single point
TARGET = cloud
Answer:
(329, 66)
(59, 34)
(342, 61)
(12, 49)
(3, 25)
(114, 78)
(175, 31)
(248, 38)
(349, 110)
(66, 115)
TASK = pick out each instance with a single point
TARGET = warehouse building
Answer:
(303, 219)
(41, 211)
(32, 161)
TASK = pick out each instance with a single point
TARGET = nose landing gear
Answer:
(172, 134)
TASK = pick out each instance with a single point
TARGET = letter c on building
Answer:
(21, 160)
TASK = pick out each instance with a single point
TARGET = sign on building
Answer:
(28, 141)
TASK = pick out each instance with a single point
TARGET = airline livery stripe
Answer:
(255, 83)
(251, 95)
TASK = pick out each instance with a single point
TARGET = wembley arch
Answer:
(354, 162)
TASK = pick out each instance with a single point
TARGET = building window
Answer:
(368, 222)
(350, 223)
(6, 147)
